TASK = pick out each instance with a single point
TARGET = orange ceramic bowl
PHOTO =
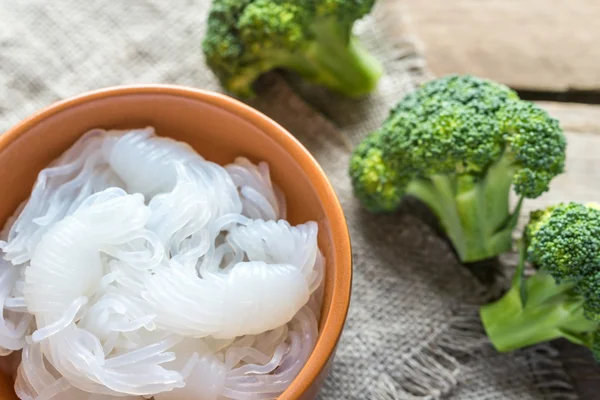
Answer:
(219, 128)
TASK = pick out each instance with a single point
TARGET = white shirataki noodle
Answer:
(138, 269)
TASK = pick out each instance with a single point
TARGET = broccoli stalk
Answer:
(459, 144)
(314, 39)
(536, 310)
(559, 300)
(475, 214)
(339, 62)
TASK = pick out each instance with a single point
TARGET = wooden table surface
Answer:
(543, 45)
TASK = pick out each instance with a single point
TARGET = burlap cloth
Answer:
(409, 333)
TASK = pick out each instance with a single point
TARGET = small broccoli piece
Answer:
(378, 180)
(569, 247)
(246, 38)
(562, 298)
(459, 144)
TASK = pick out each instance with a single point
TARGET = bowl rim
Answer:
(340, 300)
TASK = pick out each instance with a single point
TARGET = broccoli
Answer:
(246, 38)
(562, 298)
(459, 144)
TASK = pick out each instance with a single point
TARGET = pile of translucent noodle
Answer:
(138, 269)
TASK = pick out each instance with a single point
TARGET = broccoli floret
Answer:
(380, 180)
(569, 247)
(562, 298)
(246, 38)
(459, 144)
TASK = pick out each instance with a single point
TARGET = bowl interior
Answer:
(220, 129)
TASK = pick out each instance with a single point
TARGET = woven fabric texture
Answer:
(409, 333)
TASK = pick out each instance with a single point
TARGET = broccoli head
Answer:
(246, 38)
(459, 144)
(562, 298)
(569, 247)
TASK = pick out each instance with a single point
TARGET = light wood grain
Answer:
(528, 44)
(575, 118)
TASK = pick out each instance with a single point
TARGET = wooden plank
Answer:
(527, 44)
(575, 118)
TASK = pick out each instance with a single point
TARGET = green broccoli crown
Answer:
(484, 95)
(564, 241)
(376, 183)
(537, 145)
(463, 125)
(589, 288)
(222, 47)
(267, 26)
(459, 144)
(246, 38)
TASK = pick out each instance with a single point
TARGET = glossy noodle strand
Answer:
(138, 269)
